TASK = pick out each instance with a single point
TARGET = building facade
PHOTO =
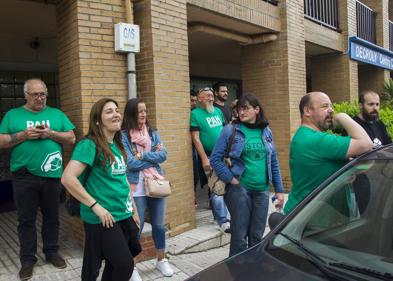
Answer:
(278, 50)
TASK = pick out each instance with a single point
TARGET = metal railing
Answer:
(391, 35)
(365, 21)
(324, 12)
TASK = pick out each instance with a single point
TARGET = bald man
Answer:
(314, 154)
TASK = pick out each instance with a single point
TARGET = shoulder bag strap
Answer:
(231, 139)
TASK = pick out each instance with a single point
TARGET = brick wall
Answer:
(335, 74)
(89, 68)
(377, 76)
(163, 82)
(275, 72)
(257, 12)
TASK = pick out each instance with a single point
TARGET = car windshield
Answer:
(349, 224)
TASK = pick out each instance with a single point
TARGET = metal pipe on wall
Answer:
(131, 71)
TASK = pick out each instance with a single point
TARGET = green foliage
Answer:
(352, 109)
(386, 116)
(388, 87)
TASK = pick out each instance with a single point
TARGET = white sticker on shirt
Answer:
(213, 121)
(52, 162)
(119, 166)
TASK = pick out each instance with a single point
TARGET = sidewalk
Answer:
(189, 252)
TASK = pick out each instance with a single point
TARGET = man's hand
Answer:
(339, 118)
(46, 133)
(206, 165)
(31, 133)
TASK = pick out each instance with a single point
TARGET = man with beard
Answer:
(220, 97)
(314, 154)
(206, 123)
(369, 118)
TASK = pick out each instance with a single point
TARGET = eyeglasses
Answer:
(37, 95)
(245, 108)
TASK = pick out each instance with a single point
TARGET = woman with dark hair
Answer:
(254, 165)
(96, 176)
(145, 153)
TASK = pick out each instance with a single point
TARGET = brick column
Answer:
(276, 73)
(163, 82)
(89, 69)
(374, 77)
(336, 74)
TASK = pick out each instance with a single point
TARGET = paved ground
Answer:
(187, 252)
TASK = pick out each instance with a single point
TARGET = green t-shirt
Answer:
(209, 126)
(107, 185)
(254, 158)
(314, 156)
(41, 157)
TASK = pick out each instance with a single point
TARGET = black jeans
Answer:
(116, 245)
(31, 192)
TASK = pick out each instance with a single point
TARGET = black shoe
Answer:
(26, 271)
(56, 260)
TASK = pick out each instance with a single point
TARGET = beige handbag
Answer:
(157, 188)
(216, 185)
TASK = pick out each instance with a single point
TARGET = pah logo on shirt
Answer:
(213, 121)
(52, 162)
(119, 166)
(37, 123)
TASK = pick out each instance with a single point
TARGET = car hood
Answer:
(253, 264)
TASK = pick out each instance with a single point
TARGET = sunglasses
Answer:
(205, 90)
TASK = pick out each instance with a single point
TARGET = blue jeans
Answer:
(220, 212)
(248, 211)
(157, 208)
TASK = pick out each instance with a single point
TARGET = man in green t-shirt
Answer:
(206, 123)
(36, 132)
(314, 154)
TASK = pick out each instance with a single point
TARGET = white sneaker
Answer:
(164, 267)
(226, 227)
(135, 275)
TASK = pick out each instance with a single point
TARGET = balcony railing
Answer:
(391, 35)
(365, 18)
(324, 12)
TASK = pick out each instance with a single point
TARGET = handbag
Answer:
(72, 204)
(216, 185)
(157, 188)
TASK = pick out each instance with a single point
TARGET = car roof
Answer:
(380, 153)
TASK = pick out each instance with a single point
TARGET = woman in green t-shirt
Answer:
(254, 166)
(99, 162)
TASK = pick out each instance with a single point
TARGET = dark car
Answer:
(342, 231)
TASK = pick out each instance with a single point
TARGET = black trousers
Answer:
(116, 245)
(31, 192)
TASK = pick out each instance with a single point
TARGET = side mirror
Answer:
(275, 219)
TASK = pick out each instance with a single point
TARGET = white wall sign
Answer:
(127, 38)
